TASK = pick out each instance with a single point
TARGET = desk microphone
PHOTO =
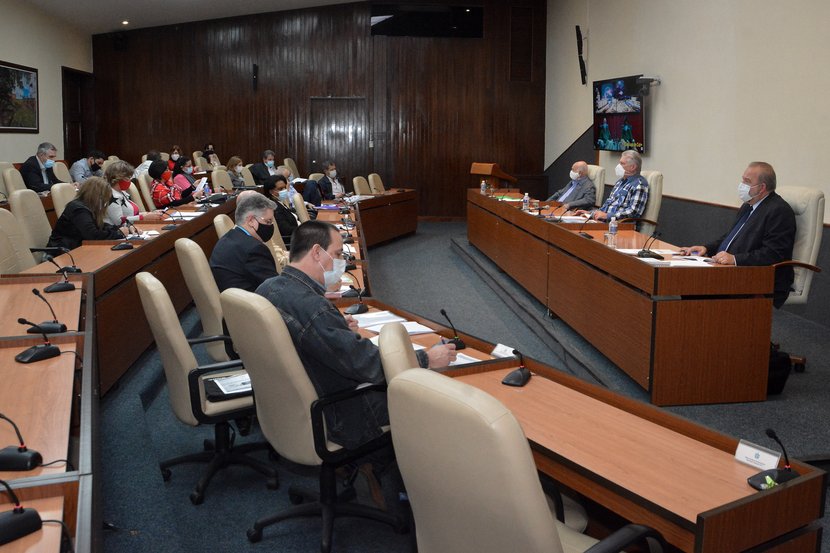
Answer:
(518, 377)
(583, 233)
(48, 327)
(65, 285)
(133, 230)
(58, 251)
(18, 457)
(459, 343)
(772, 477)
(171, 226)
(646, 251)
(359, 307)
(19, 521)
(37, 353)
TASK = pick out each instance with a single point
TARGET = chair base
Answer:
(799, 363)
(218, 455)
(329, 506)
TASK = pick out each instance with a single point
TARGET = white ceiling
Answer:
(104, 16)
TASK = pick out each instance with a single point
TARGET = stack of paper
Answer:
(377, 318)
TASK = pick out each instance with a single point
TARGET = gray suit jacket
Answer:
(583, 196)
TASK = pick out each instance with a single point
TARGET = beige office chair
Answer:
(144, 183)
(62, 194)
(3, 166)
(202, 286)
(164, 156)
(596, 173)
(290, 412)
(13, 180)
(300, 209)
(278, 251)
(28, 210)
(188, 396)
(490, 501)
(222, 223)
(16, 256)
(316, 176)
(114, 158)
(655, 198)
(396, 351)
(143, 158)
(221, 179)
(248, 176)
(288, 162)
(376, 184)
(135, 196)
(105, 164)
(361, 186)
(195, 156)
(201, 164)
(61, 172)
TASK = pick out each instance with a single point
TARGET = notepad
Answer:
(376, 340)
(411, 327)
(377, 318)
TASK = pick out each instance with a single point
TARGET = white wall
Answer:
(743, 80)
(33, 38)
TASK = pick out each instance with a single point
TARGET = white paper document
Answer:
(201, 185)
(411, 327)
(571, 219)
(366, 320)
(376, 339)
(691, 261)
(462, 359)
(234, 384)
(635, 251)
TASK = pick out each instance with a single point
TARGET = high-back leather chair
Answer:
(300, 209)
(13, 180)
(222, 223)
(361, 186)
(808, 206)
(396, 351)
(316, 176)
(248, 176)
(488, 502)
(29, 212)
(221, 179)
(144, 181)
(3, 166)
(114, 158)
(189, 399)
(655, 199)
(596, 174)
(195, 157)
(289, 411)
(61, 172)
(62, 194)
(376, 184)
(292, 165)
(16, 256)
(164, 156)
(135, 196)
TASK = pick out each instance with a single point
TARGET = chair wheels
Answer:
(197, 498)
(799, 367)
(272, 483)
(166, 474)
(254, 535)
(295, 498)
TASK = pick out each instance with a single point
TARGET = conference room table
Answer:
(389, 215)
(686, 333)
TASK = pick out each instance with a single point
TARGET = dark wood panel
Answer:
(434, 105)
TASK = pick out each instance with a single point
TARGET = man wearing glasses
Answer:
(240, 258)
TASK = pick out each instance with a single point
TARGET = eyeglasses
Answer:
(268, 223)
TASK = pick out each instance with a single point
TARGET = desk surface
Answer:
(19, 301)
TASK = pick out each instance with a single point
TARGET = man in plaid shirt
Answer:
(630, 193)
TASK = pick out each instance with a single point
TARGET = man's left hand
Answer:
(724, 258)
(352, 323)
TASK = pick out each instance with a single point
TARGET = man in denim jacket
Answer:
(335, 356)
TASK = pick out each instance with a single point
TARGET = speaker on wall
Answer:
(582, 72)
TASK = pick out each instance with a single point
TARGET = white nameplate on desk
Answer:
(502, 351)
(756, 456)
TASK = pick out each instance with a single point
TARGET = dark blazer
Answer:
(241, 261)
(260, 173)
(325, 188)
(583, 196)
(286, 222)
(76, 224)
(766, 238)
(312, 192)
(30, 171)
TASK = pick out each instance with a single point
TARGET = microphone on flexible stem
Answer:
(64, 286)
(459, 343)
(132, 229)
(359, 307)
(74, 268)
(171, 226)
(58, 251)
(583, 233)
(353, 292)
(18, 457)
(19, 521)
(646, 251)
(518, 377)
(772, 477)
(48, 327)
(37, 353)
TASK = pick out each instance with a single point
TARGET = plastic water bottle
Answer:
(612, 227)
(526, 202)
(483, 187)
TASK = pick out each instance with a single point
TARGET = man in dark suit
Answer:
(265, 170)
(580, 192)
(330, 186)
(240, 258)
(763, 233)
(37, 170)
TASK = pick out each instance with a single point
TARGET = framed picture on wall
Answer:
(18, 98)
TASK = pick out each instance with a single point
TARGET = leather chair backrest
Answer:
(176, 355)
(201, 164)
(205, 293)
(16, 255)
(248, 176)
(106, 164)
(195, 156)
(278, 251)
(221, 179)
(490, 501)
(316, 176)
(396, 352)
(655, 199)
(3, 166)
(135, 196)
(222, 223)
(596, 173)
(144, 181)
(61, 172)
(164, 156)
(376, 184)
(281, 385)
(300, 209)
(62, 194)
(808, 205)
(13, 180)
(28, 210)
(113, 158)
(292, 165)
(361, 186)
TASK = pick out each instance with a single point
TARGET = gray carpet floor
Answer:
(423, 274)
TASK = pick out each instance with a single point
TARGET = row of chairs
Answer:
(373, 186)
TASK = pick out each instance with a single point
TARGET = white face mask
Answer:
(175, 157)
(620, 171)
(337, 269)
(744, 192)
(333, 174)
(239, 168)
(574, 175)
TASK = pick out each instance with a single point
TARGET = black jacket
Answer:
(241, 261)
(30, 171)
(260, 173)
(77, 224)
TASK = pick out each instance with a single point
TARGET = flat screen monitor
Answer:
(619, 115)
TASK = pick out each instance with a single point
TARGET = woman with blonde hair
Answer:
(121, 208)
(83, 218)
(235, 172)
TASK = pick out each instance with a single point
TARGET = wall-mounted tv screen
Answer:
(618, 115)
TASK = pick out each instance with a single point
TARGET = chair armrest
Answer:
(207, 339)
(797, 264)
(637, 220)
(629, 535)
(194, 387)
(318, 426)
